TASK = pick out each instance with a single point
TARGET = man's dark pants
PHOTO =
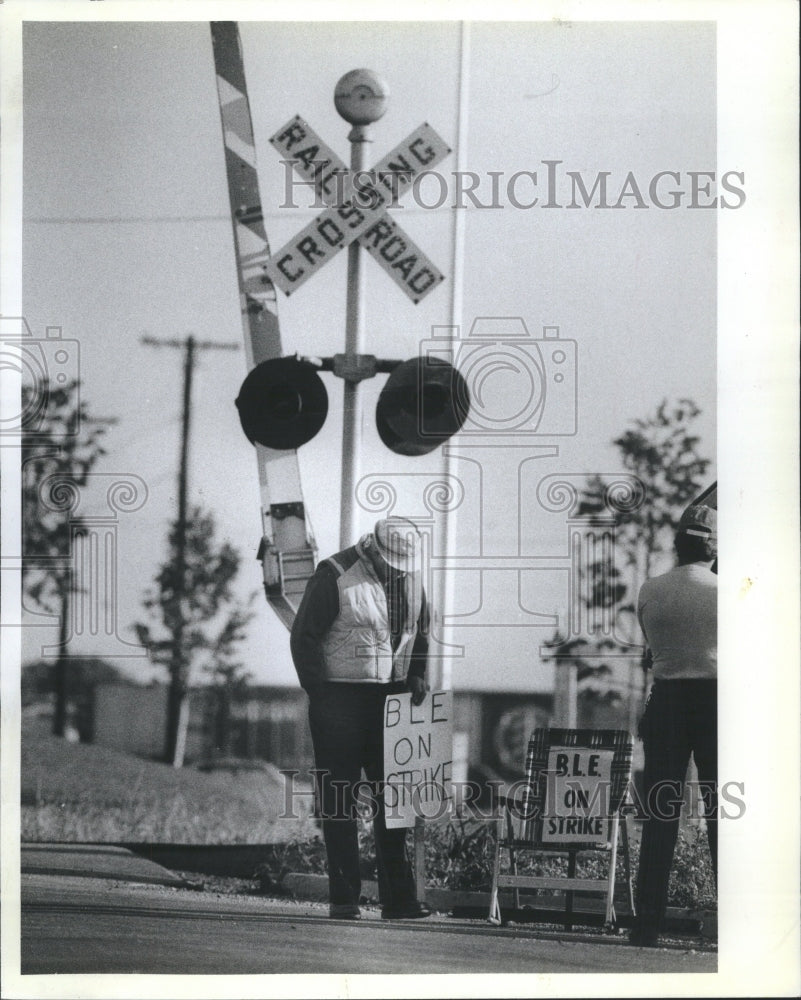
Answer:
(680, 718)
(347, 728)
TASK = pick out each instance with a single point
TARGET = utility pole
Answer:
(178, 694)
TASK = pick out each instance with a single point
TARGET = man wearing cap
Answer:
(361, 633)
(678, 615)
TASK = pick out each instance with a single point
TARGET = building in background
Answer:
(491, 730)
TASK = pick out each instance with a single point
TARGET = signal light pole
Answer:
(283, 402)
(361, 99)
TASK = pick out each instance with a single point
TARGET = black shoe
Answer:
(406, 911)
(344, 911)
(644, 937)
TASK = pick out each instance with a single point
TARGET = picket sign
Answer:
(418, 763)
(576, 784)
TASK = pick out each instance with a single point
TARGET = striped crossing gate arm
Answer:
(287, 550)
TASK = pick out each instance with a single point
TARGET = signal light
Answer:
(424, 402)
(282, 403)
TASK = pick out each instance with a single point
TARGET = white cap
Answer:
(399, 543)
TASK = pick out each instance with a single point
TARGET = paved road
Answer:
(82, 925)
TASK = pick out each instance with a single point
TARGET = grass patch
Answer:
(87, 793)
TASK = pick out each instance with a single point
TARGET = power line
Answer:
(279, 213)
(101, 219)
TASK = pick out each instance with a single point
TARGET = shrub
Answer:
(307, 856)
(692, 880)
(95, 794)
(459, 856)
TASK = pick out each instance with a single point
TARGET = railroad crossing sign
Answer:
(357, 203)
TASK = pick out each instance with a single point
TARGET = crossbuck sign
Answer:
(357, 209)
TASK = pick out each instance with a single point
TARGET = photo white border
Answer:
(758, 448)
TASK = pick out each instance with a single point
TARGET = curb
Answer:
(242, 860)
(105, 861)
(231, 860)
(314, 888)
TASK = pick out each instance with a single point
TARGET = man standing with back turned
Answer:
(678, 612)
(361, 633)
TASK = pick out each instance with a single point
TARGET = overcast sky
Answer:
(127, 233)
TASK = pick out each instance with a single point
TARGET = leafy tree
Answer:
(662, 451)
(60, 447)
(195, 621)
